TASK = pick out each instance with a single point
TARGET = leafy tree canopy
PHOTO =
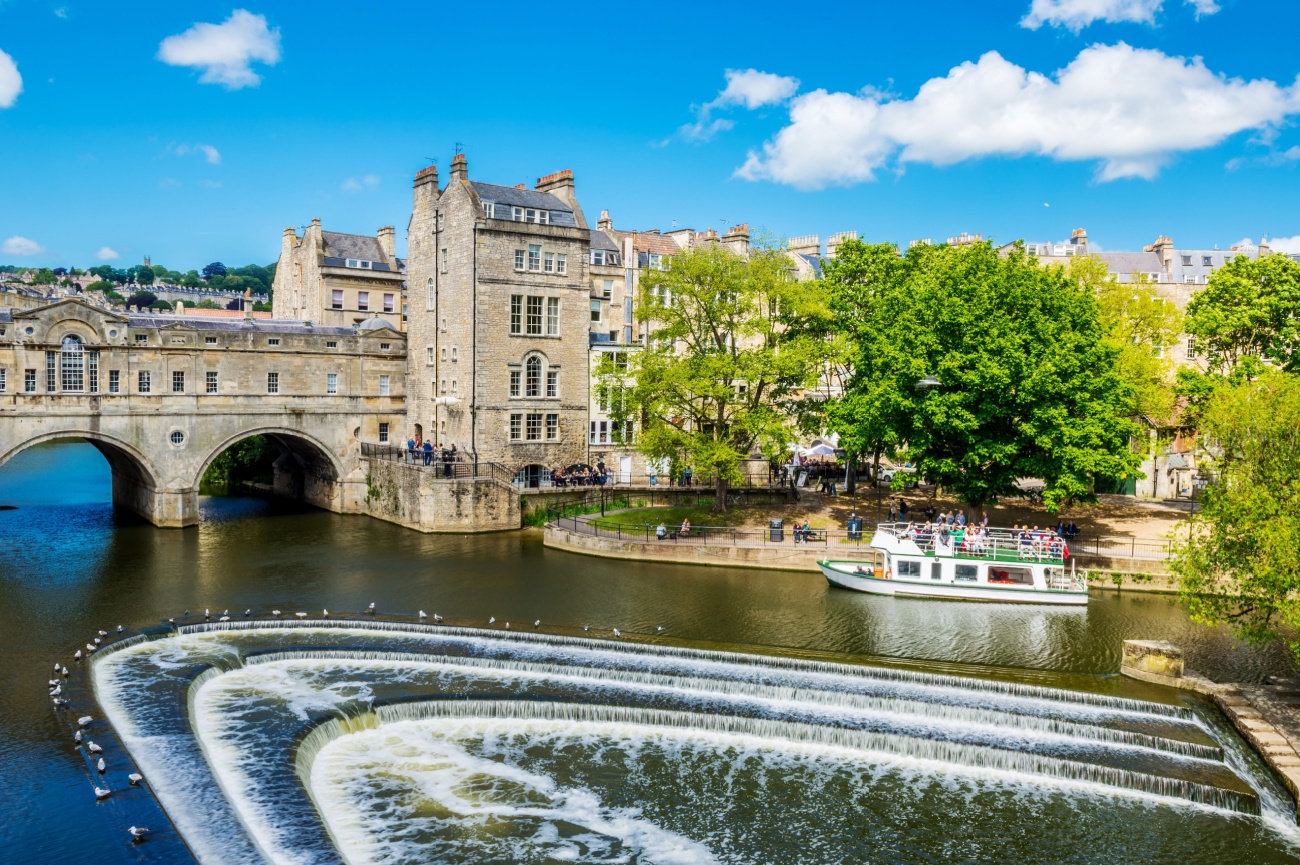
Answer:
(100, 285)
(1249, 309)
(216, 268)
(141, 299)
(208, 304)
(44, 276)
(1241, 564)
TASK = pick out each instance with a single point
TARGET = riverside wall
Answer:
(418, 499)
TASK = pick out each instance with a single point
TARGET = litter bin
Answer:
(855, 529)
(776, 531)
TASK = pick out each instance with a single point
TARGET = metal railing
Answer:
(457, 468)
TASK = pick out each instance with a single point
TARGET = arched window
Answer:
(533, 376)
(72, 365)
(429, 302)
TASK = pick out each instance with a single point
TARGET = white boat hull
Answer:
(846, 579)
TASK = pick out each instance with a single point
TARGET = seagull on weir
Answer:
(119, 629)
(56, 666)
(586, 627)
(98, 640)
(101, 793)
(101, 766)
(371, 608)
(76, 737)
(103, 633)
(423, 615)
(186, 613)
(65, 672)
(659, 627)
(59, 702)
(135, 778)
(54, 682)
(77, 656)
(507, 626)
(84, 720)
(247, 612)
(537, 624)
(93, 748)
(224, 619)
(58, 689)
(617, 633)
(492, 620)
(207, 614)
(275, 613)
(325, 613)
(225, 612)
(301, 615)
(90, 649)
(171, 621)
(137, 832)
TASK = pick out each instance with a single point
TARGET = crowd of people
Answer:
(420, 451)
(951, 531)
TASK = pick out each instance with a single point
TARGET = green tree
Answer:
(1024, 377)
(208, 304)
(1241, 563)
(1247, 311)
(716, 381)
(191, 279)
(159, 271)
(231, 283)
(141, 299)
(144, 276)
(100, 285)
(160, 304)
(44, 276)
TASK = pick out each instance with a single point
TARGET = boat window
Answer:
(909, 569)
(936, 571)
(1010, 576)
(967, 572)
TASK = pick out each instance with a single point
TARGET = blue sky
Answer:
(198, 131)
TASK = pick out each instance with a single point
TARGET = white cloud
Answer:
(749, 88)
(107, 253)
(1288, 245)
(225, 51)
(210, 153)
(1129, 109)
(1077, 14)
(11, 83)
(353, 184)
(21, 246)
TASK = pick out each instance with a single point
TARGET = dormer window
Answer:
(359, 263)
(529, 214)
(604, 256)
(490, 209)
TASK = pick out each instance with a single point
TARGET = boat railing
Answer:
(1004, 545)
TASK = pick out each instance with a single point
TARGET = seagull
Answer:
(103, 633)
(56, 666)
(224, 619)
(101, 793)
(325, 613)
(437, 618)
(371, 608)
(225, 612)
(53, 682)
(84, 720)
(93, 748)
(301, 615)
(275, 613)
(98, 640)
(65, 671)
(586, 627)
(135, 778)
(617, 633)
(101, 766)
(90, 649)
(186, 613)
(57, 691)
(507, 626)
(59, 702)
(492, 620)
(119, 629)
(659, 627)
(423, 614)
(537, 623)
(207, 614)
(247, 612)
(138, 832)
(77, 656)
(76, 737)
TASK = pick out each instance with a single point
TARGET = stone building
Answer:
(500, 323)
(336, 279)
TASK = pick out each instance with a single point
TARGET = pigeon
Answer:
(135, 778)
(84, 720)
(423, 614)
(617, 633)
(437, 618)
(537, 623)
(77, 656)
(492, 620)
(103, 633)
(138, 832)
(101, 766)
(101, 793)
(76, 737)
(93, 748)
(224, 619)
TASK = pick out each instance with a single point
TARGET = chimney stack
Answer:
(459, 168)
(833, 242)
(559, 184)
(809, 244)
(605, 223)
(387, 237)
(426, 176)
(737, 239)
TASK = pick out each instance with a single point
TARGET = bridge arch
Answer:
(307, 469)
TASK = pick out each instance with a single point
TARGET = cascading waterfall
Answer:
(263, 702)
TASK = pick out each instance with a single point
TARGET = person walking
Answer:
(410, 450)
(902, 509)
(428, 453)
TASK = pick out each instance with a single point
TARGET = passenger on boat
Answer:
(959, 536)
(868, 570)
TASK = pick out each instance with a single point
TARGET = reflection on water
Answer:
(70, 565)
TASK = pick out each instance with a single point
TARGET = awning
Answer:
(1176, 461)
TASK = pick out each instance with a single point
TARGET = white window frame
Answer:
(515, 379)
(531, 327)
(596, 310)
(178, 378)
(385, 385)
(390, 302)
(548, 263)
(144, 382)
(552, 316)
(210, 381)
(534, 258)
(275, 340)
(533, 426)
(552, 383)
(516, 426)
(561, 263)
(490, 210)
(273, 382)
(552, 426)
(363, 301)
(432, 357)
(336, 298)
(383, 432)
(114, 381)
(519, 258)
(516, 314)
(331, 383)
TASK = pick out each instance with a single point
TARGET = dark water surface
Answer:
(69, 566)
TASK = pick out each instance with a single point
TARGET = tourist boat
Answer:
(1004, 567)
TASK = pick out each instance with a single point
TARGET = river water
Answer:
(71, 566)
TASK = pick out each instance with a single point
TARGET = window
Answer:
(444, 387)
(275, 340)
(114, 381)
(4, 381)
(909, 569)
(453, 387)
(455, 355)
(515, 376)
(209, 340)
(363, 301)
(627, 334)
(534, 316)
(533, 429)
(141, 338)
(385, 346)
(534, 258)
(442, 260)
(384, 385)
(144, 383)
(655, 260)
(178, 381)
(595, 309)
(516, 313)
(29, 381)
(552, 383)
(516, 427)
(389, 303)
(604, 256)
(430, 352)
(552, 316)
(272, 382)
(383, 432)
(528, 214)
(72, 365)
(607, 290)
(331, 344)
(51, 371)
(331, 382)
(519, 259)
(561, 265)
(490, 209)
(444, 355)
(552, 427)
(211, 381)
(1187, 261)
(1191, 347)
(967, 573)
(336, 298)
(591, 433)
(549, 266)
(534, 376)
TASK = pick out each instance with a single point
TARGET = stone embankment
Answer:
(1267, 716)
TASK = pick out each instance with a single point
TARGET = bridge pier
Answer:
(173, 509)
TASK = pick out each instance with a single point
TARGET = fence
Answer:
(833, 539)
(605, 499)
(459, 468)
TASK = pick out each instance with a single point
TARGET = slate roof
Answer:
(518, 197)
(257, 325)
(815, 262)
(602, 240)
(359, 246)
(1132, 262)
(647, 242)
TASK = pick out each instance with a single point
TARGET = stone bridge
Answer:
(162, 396)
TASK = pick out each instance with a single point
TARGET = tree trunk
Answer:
(720, 495)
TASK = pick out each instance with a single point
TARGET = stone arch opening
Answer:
(134, 479)
(301, 467)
